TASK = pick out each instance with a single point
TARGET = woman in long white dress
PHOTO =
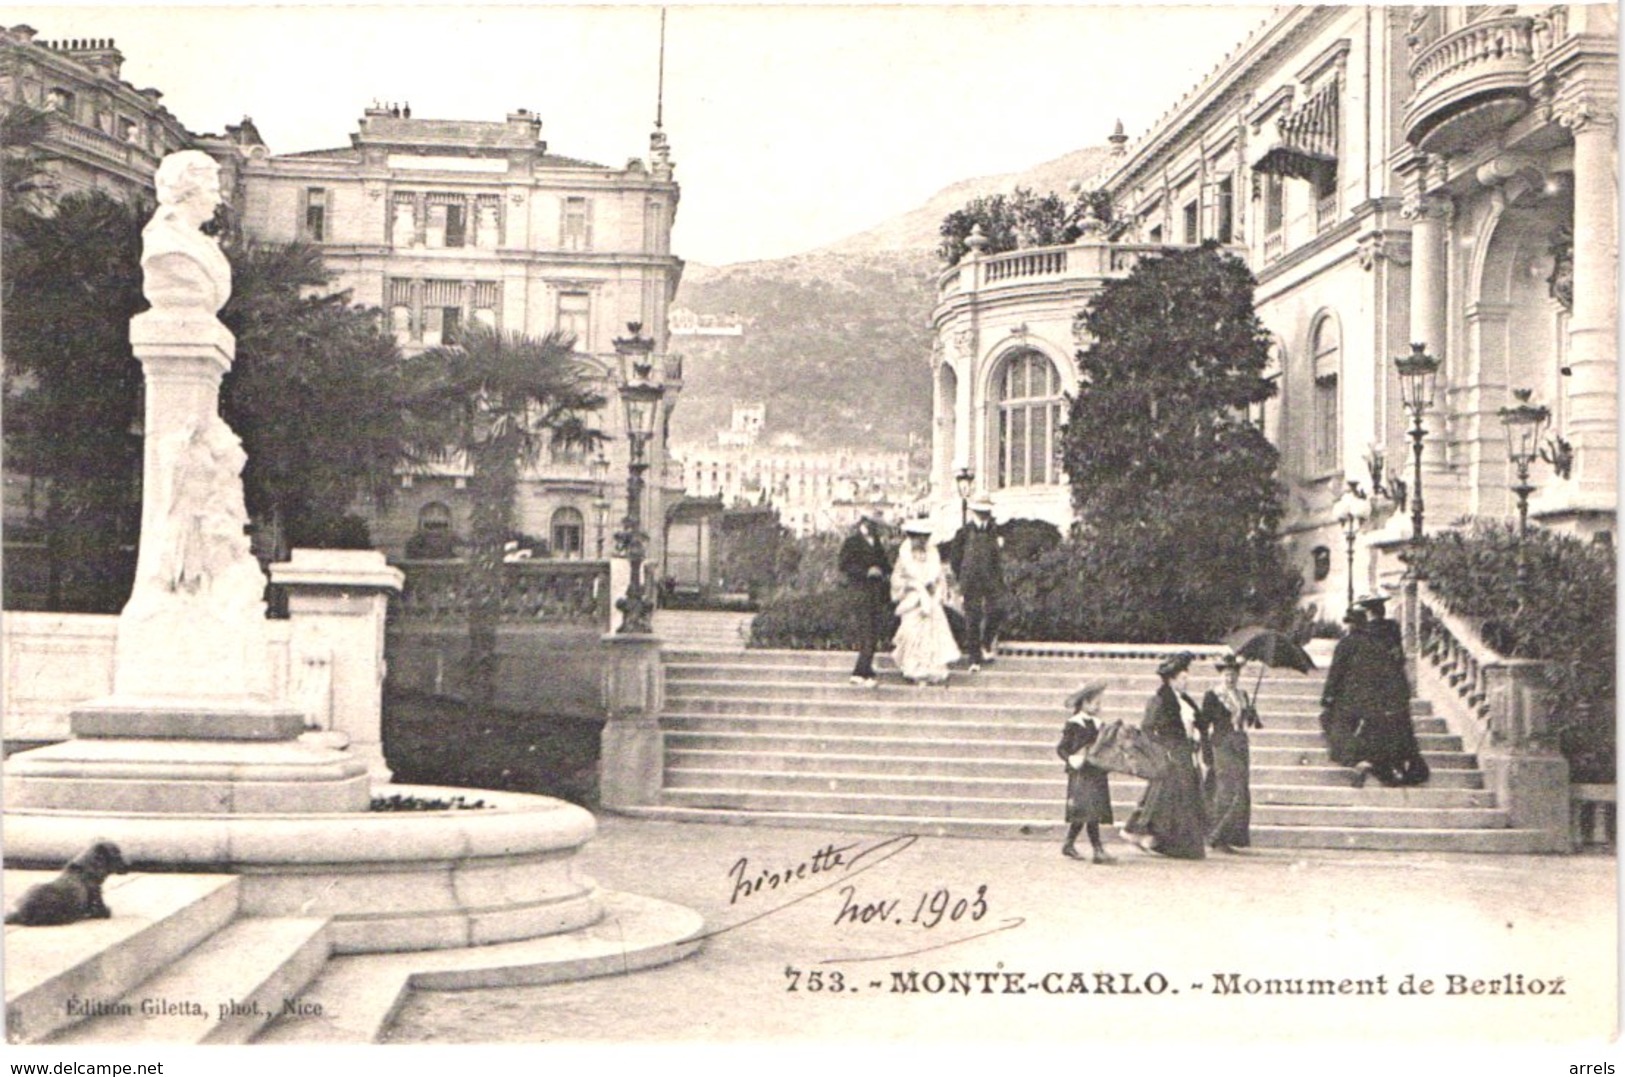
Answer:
(924, 644)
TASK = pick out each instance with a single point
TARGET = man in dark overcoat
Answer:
(867, 567)
(1352, 692)
(976, 556)
(1390, 743)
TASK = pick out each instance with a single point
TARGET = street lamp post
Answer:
(1525, 423)
(641, 393)
(1352, 510)
(965, 480)
(1418, 373)
(600, 504)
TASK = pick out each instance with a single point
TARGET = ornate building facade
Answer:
(444, 222)
(104, 133)
(1445, 176)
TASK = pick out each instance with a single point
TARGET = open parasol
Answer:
(1270, 648)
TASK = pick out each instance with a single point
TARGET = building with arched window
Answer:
(1441, 175)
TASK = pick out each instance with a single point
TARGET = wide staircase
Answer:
(176, 964)
(780, 737)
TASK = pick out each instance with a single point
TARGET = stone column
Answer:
(1593, 410)
(337, 603)
(632, 758)
(1430, 235)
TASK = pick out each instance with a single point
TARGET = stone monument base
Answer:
(173, 776)
(200, 719)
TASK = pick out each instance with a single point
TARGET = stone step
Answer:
(929, 724)
(223, 991)
(926, 791)
(156, 919)
(1140, 669)
(709, 666)
(947, 760)
(1049, 704)
(1047, 828)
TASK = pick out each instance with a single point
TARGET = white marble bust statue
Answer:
(183, 271)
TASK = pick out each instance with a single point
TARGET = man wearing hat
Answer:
(867, 568)
(976, 557)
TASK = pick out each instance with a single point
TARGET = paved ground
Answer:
(1177, 932)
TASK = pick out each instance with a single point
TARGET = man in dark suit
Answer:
(976, 557)
(867, 568)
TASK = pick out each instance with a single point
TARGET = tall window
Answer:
(1193, 227)
(315, 214)
(576, 232)
(1327, 351)
(575, 311)
(1225, 228)
(1029, 420)
(446, 221)
(567, 531)
(1274, 202)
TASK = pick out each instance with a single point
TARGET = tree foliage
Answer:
(1174, 486)
(314, 392)
(496, 400)
(73, 390)
(1021, 220)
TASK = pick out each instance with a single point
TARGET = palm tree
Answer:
(496, 400)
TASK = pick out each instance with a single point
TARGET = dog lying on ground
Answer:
(74, 895)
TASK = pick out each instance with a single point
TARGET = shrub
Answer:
(1027, 540)
(1559, 609)
(819, 620)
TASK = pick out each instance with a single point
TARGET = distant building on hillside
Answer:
(685, 323)
(813, 491)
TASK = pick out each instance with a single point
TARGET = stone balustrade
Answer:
(560, 593)
(1506, 696)
(1040, 265)
(1459, 69)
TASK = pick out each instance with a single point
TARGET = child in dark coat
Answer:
(1088, 794)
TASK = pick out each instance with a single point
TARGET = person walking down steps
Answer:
(1088, 794)
(976, 556)
(867, 568)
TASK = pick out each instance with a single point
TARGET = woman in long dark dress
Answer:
(1227, 712)
(1170, 818)
(1088, 794)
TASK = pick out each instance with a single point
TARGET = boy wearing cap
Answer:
(1088, 793)
(976, 557)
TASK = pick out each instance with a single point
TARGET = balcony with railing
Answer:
(1046, 265)
(1469, 84)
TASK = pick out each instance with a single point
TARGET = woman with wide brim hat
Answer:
(1171, 819)
(1227, 712)
(924, 643)
(1088, 793)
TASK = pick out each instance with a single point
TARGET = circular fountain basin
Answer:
(388, 881)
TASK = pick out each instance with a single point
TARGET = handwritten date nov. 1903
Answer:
(933, 907)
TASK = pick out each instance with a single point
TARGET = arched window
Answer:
(567, 532)
(1326, 350)
(435, 516)
(1028, 392)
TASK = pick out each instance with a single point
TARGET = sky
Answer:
(791, 126)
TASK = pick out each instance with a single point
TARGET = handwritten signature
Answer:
(832, 866)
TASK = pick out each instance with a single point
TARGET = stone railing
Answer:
(103, 145)
(1037, 265)
(561, 593)
(1504, 697)
(1490, 54)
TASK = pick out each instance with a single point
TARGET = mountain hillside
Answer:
(836, 341)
